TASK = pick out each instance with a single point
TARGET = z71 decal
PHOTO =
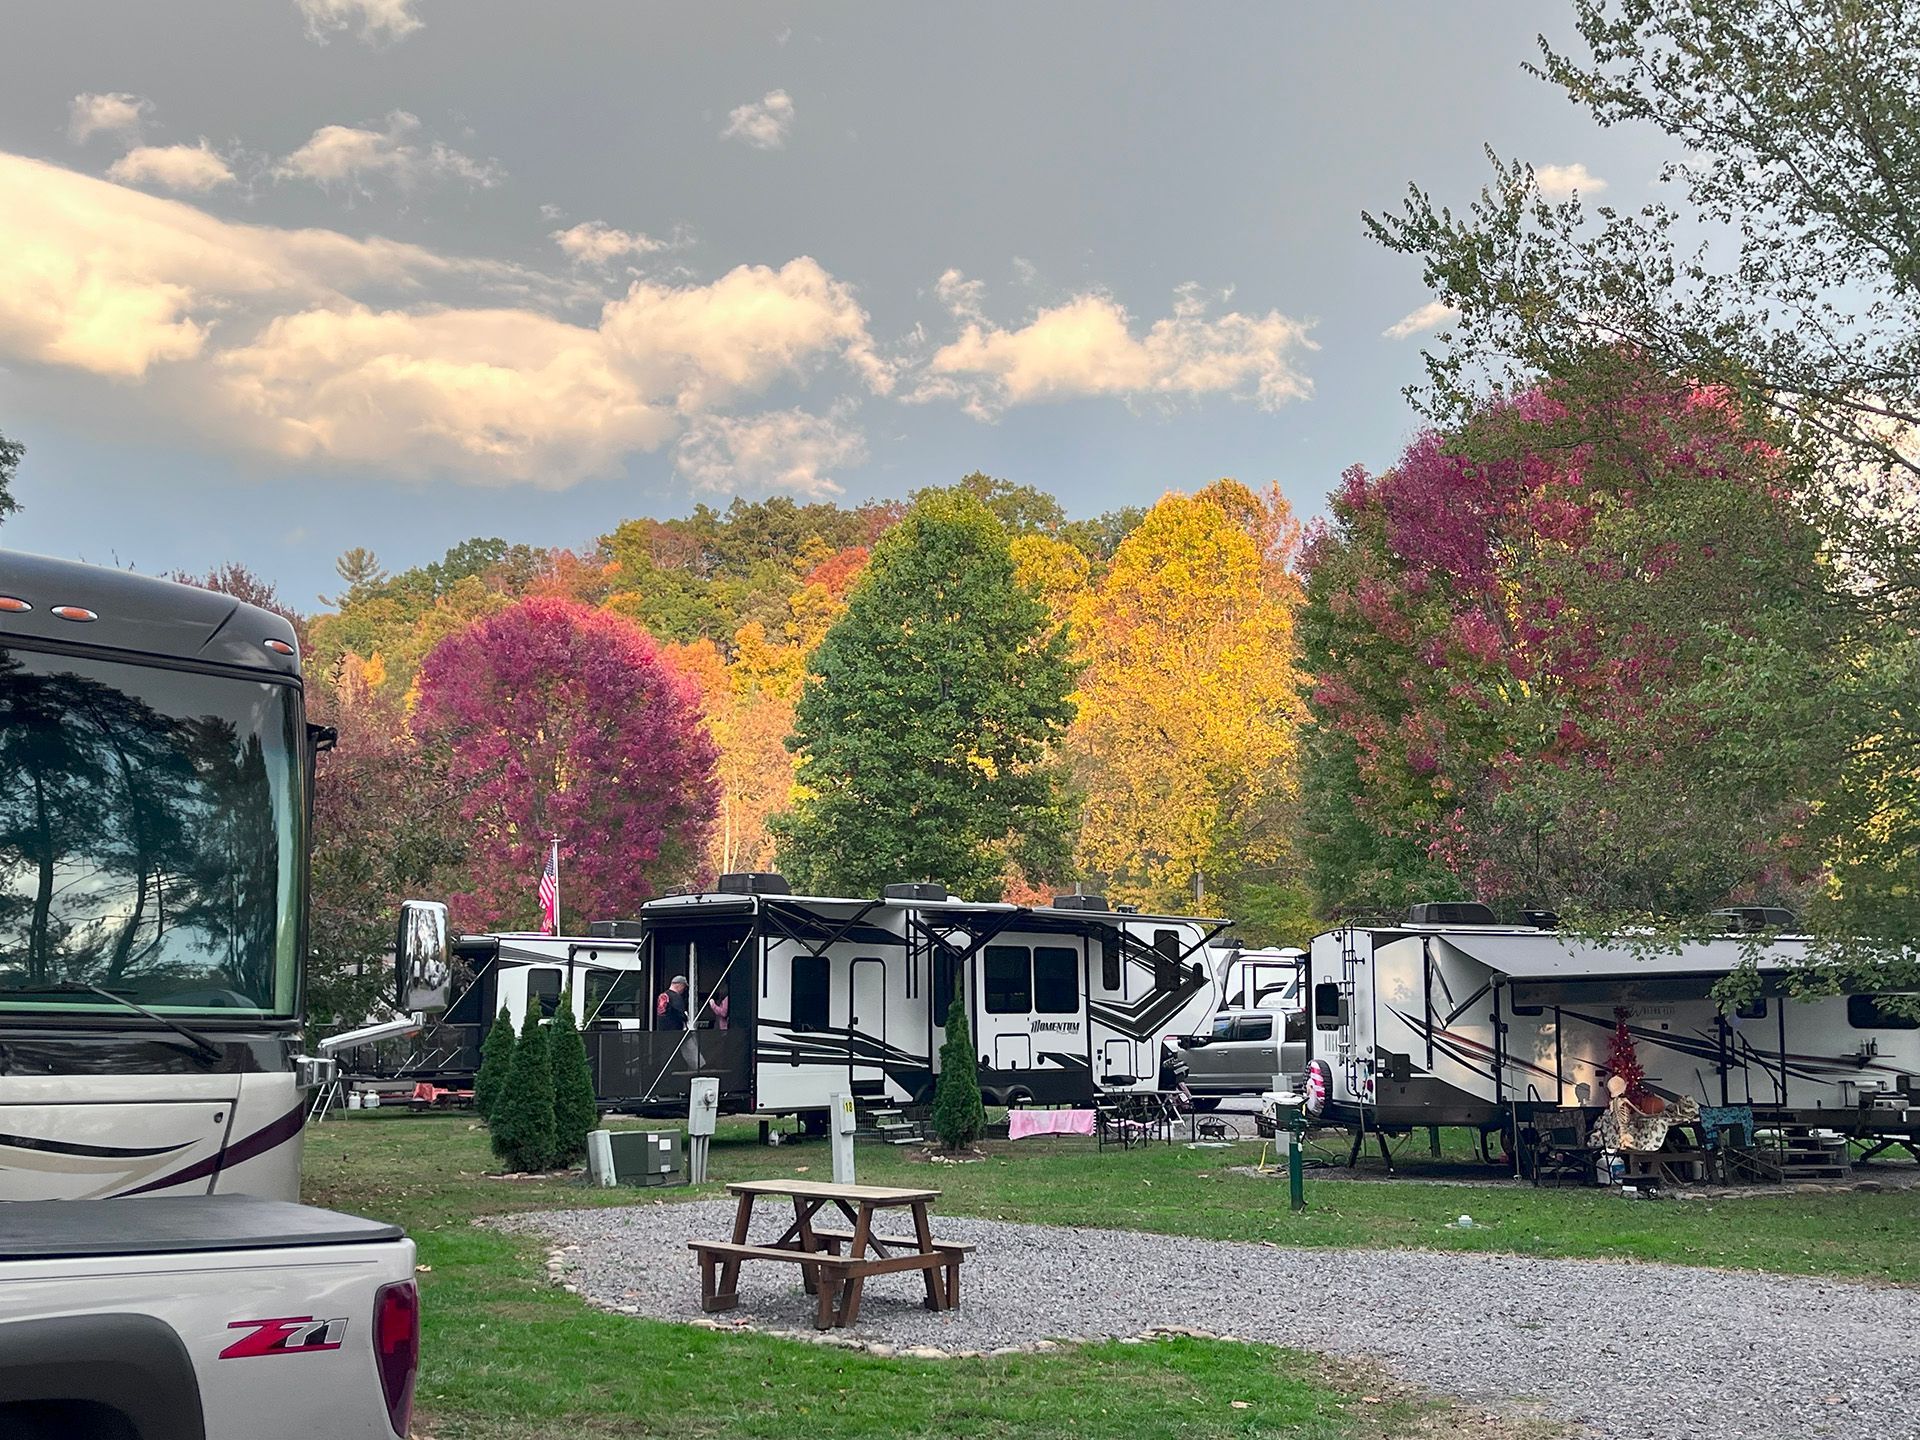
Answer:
(288, 1335)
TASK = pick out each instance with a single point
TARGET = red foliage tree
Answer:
(552, 719)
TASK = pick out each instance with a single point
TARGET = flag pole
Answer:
(556, 884)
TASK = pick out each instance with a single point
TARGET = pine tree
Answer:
(575, 1106)
(522, 1126)
(959, 1117)
(496, 1057)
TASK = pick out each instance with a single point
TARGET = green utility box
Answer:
(645, 1157)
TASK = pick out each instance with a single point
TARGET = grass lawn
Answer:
(507, 1354)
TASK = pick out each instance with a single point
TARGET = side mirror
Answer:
(423, 972)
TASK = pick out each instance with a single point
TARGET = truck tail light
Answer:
(396, 1349)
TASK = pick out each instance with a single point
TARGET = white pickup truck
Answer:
(210, 1317)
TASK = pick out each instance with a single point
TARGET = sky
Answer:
(283, 277)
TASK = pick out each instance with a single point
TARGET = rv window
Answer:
(613, 994)
(1871, 1012)
(1752, 1009)
(1056, 980)
(1253, 1027)
(1166, 959)
(1111, 978)
(1009, 980)
(1297, 1025)
(1329, 1006)
(811, 989)
(544, 985)
(942, 986)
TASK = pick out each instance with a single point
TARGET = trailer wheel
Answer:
(1206, 1103)
(1019, 1095)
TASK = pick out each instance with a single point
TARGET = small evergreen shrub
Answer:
(959, 1117)
(523, 1131)
(576, 1108)
(496, 1057)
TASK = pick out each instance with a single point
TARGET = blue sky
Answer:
(281, 278)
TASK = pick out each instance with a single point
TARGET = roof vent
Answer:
(600, 929)
(1753, 919)
(1541, 919)
(1080, 902)
(1449, 912)
(1126, 909)
(615, 929)
(914, 890)
(753, 882)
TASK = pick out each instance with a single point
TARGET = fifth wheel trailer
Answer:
(825, 994)
(1428, 1024)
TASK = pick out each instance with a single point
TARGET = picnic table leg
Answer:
(742, 1222)
(851, 1287)
(803, 1212)
(936, 1297)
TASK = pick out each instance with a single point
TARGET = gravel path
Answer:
(1635, 1351)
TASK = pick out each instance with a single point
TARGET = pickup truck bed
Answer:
(210, 1317)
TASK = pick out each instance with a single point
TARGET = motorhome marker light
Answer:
(78, 613)
(14, 605)
(279, 647)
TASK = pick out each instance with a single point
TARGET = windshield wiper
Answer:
(74, 987)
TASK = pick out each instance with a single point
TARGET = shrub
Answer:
(523, 1114)
(575, 1106)
(496, 1057)
(959, 1117)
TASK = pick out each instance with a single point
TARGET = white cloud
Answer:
(354, 156)
(1559, 182)
(593, 243)
(376, 22)
(1429, 315)
(1087, 346)
(764, 123)
(788, 451)
(313, 347)
(115, 114)
(173, 167)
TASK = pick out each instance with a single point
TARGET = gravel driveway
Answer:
(1633, 1350)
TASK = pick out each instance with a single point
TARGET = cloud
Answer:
(1559, 182)
(376, 22)
(172, 167)
(1087, 346)
(116, 114)
(593, 243)
(354, 156)
(317, 348)
(764, 123)
(789, 451)
(1429, 315)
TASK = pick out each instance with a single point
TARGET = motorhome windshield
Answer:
(151, 833)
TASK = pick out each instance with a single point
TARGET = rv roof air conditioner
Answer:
(1080, 902)
(753, 882)
(1752, 919)
(614, 930)
(914, 890)
(1450, 912)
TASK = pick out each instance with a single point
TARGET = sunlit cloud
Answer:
(189, 168)
(594, 243)
(117, 114)
(1561, 182)
(373, 22)
(1429, 316)
(785, 451)
(354, 157)
(764, 123)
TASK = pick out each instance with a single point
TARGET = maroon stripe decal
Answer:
(258, 1143)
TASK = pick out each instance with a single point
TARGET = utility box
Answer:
(703, 1104)
(645, 1157)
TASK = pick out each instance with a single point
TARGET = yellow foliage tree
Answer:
(1189, 701)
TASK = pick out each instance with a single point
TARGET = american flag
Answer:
(550, 893)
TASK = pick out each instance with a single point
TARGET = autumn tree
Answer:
(559, 721)
(11, 452)
(1189, 706)
(923, 730)
(1787, 276)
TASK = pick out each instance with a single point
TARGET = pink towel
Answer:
(1021, 1123)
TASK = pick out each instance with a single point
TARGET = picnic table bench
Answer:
(835, 1279)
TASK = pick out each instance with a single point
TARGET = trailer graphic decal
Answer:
(286, 1335)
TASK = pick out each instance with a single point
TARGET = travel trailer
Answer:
(1265, 979)
(1455, 1019)
(793, 998)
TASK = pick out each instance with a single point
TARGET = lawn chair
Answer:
(1558, 1152)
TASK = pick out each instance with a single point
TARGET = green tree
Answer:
(496, 1059)
(522, 1123)
(959, 1115)
(576, 1108)
(1788, 278)
(924, 729)
(1022, 509)
(10, 453)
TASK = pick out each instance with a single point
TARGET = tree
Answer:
(924, 727)
(496, 1059)
(556, 720)
(1189, 704)
(959, 1115)
(576, 1108)
(362, 571)
(1789, 280)
(522, 1124)
(1021, 509)
(11, 452)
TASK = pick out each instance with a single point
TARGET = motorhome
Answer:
(792, 998)
(1452, 1018)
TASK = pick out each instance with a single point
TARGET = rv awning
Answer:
(1557, 957)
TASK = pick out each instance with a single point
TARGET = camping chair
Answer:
(1559, 1153)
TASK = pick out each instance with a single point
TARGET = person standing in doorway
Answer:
(717, 1004)
(671, 1008)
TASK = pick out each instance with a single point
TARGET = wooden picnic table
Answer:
(836, 1279)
